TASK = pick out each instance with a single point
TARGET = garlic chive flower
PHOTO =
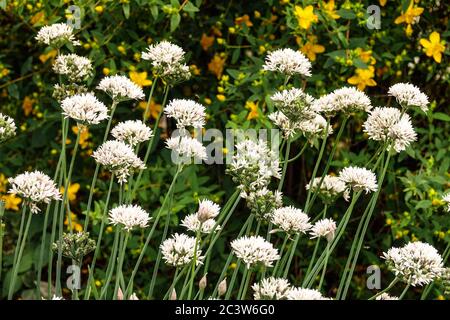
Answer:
(408, 95)
(359, 179)
(56, 35)
(271, 289)
(35, 188)
(74, 67)
(129, 217)
(84, 108)
(386, 296)
(281, 121)
(120, 88)
(75, 246)
(314, 128)
(305, 294)
(416, 263)
(330, 189)
(391, 126)
(179, 250)
(255, 250)
(185, 149)
(290, 220)
(263, 201)
(192, 223)
(325, 228)
(207, 210)
(446, 199)
(295, 104)
(347, 100)
(288, 62)
(119, 158)
(132, 132)
(187, 113)
(7, 127)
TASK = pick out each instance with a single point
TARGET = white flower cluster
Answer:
(203, 219)
(281, 121)
(129, 217)
(359, 179)
(253, 165)
(262, 202)
(325, 228)
(295, 104)
(119, 158)
(179, 250)
(84, 108)
(271, 289)
(305, 294)
(314, 127)
(446, 199)
(120, 88)
(389, 125)
(290, 220)
(132, 132)
(187, 113)
(409, 95)
(255, 250)
(167, 60)
(187, 148)
(386, 296)
(74, 67)
(7, 127)
(35, 188)
(330, 188)
(288, 62)
(346, 99)
(416, 263)
(57, 35)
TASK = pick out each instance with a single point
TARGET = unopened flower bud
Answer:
(202, 283)
(173, 295)
(222, 287)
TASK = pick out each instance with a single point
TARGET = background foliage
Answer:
(226, 42)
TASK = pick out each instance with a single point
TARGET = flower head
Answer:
(193, 223)
(416, 263)
(408, 95)
(294, 103)
(434, 47)
(281, 121)
(330, 188)
(386, 296)
(7, 127)
(324, 228)
(187, 113)
(132, 132)
(121, 88)
(316, 127)
(75, 67)
(57, 35)
(359, 179)
(271, 289)
(389, 125)
(35, 188)
(254, 250)
(305, 16)
(84, 108)
(129, 217)
(119, 158)
(207, 210)
(288, 62)
(186, 148)
(262, 202)
(446, 199)
(179, 250)
(304, 294)
(167, 61)
(75, 246)
(291, 220)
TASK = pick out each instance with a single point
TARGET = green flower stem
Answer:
(97, 166)
(19, 239)
(233, 280)
(244, 284)
(16, 265)
(402, 295)
(194, 261)
(111, 264)
(2, 211)
(277, 265)
(285, 165)
(99, 240)
(248, 222)
(150, 234)
(309, 278)
(149, 101)
(365, 219)
(123, 249)
(298, 155)
(389, 287)
(177, 276)
(150, 145)
(65, 201)
(327, 251)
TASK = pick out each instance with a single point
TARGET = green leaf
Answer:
(423, 204)
(126, 10)
(174, 22)
(346, 14)
(189, 7)
(154, 12)
(360, 64)
(441, 116)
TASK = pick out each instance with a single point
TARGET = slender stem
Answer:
(402, 295)
(298, 155)
(324, 266)
(174, 281)
(194, 261)
(389, 287)
(149, 101)
(16, 265)
(277, 265)
(97, 166)
(123, 249)
(99, 240)
(243, 283)
(233, 280)
(285, 165)
(2, 210)
(111, 263)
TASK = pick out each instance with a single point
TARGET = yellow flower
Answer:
(49, 55)
(154, 108)
(245, 19)
(106, 71)
(305, 17)
(330, 9)
(221, 97)
(194, 70)
(206, 42)
(365, 56)
(73, 221)
(11, 202)
(409, 17)
(363, 78)
(311, 48)
(140, 78)
(27, 106)
(433, 47)
(383, 3)
(38, 17)
(121, 49)
(99, 9)
(3, 182)
(72, 191)
(84, 136)
(216, 65)
(253, 107)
